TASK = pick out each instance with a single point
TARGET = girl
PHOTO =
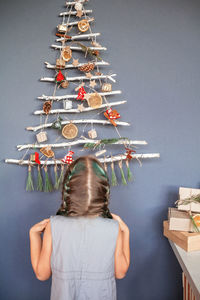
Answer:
(84, 247)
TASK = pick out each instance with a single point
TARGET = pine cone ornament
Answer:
(87, 67)
(47, 107)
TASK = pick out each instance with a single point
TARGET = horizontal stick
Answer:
(79, 37)
(76, 22)
(70, 66)
(50, 79)
(102, 122)
(73, 143)
(58, 98)
(107, 159)
(74, 12)
(76, 110)
(74, 2)
(79, 48)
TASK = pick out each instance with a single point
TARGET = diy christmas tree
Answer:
(84, 88)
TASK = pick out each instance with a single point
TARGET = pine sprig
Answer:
(103, 142)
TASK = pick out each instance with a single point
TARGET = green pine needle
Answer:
(56, 184)
(39, 181)
(129, 174)
(29, 183)
(48, 185)
(123, 177)
(114, 178)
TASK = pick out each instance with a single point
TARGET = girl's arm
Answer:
(122, 251)
(40, 251)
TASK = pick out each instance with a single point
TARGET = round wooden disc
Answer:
(70, 131)
(95, 100)
(83, 25)
(66, 53)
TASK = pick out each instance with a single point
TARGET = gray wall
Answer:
(154, 48)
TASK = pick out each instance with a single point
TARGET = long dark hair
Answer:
(85, 189)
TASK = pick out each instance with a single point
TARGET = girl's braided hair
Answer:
(85, 189)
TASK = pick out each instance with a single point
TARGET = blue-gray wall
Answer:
(154, 47)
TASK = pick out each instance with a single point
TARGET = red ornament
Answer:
(112, 114)
(128, 153)
(60, 77)
(37, 159)
(81, 93)
(68, 158)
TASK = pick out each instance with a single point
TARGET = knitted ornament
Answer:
(128, 153)
(87, 67)
(59, 77)
(81, 93)
(111, 115)
(68, 158)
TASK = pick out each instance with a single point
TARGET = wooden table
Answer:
(190, 264)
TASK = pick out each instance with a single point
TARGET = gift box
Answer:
(185, 193)
(180, 220)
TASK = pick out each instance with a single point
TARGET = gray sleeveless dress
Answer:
(82, 259)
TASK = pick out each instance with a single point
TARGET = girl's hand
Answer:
(39, 227)
(122, 225)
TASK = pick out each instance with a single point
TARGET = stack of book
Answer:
(183, 225)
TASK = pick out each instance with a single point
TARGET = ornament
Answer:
(60, 63)
(92, 83)
(112, 114)
(95, 100)
(75, 62)
(37, 158)
(92, 133)
(87, 67)
(81, 93)
(32, 157)
(81, 107)
(67, 104)
(66, 53)
(70, 131)
(79, 13)
(41, 136)
(88, 75)
(68, 158)
(83, 25)
(57, 124)
(65, 84)
(106, 87)
(128, 153)
(78, 6)
(62, 28)
(98, 153)
(59, 77)
(47, 107)
(47, 151)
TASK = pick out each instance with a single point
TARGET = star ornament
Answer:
(88, 75)
(79, 13)
(92, 83)
(81, 107)
(75, 62)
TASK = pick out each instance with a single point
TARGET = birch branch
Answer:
(73, 143)
(76, 110)
(74, 2)
(92, 121)
(51, 79)
(76, 22)
(69, 66)
(79, 48)
(58, 98)
(74, 12)
(79, 37)
(107, 159)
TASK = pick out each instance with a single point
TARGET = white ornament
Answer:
(67, 104)
(78, 6)
(92, 134)
(62, 28)
(106, 87)
(41, 136)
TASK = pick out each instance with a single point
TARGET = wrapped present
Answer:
(189, 199)
(67, 159)
(180, 220)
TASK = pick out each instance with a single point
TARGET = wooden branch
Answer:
(58, 98)
(74, 2)
(107, 159)
(76, 110)
(74, 12)
(79, 37)
(70, 66)
(76, 22)
(92, 121)
(79, 48)
(77, 142)
(50, 79)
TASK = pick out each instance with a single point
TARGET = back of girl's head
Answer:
(85, 189)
